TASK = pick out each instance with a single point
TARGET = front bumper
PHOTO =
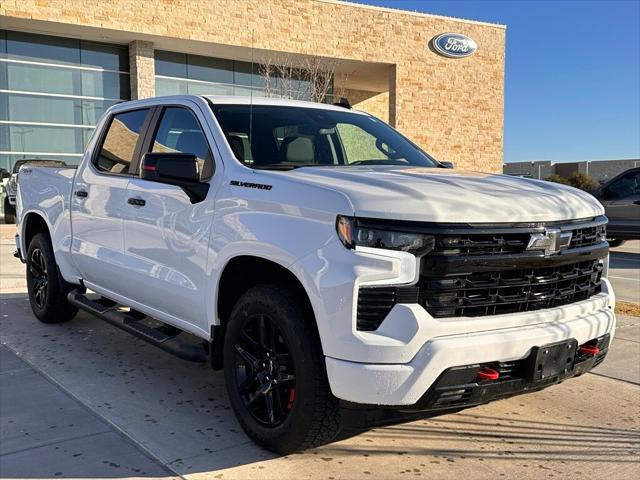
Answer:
(459, 342)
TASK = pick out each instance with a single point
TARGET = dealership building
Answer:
(63, 62)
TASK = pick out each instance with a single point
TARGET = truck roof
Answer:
(230, 100)
(283, 102)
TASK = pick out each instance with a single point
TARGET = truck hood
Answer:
(451, 196)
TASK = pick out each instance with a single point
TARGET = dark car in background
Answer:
(621, 199)
(11, 187)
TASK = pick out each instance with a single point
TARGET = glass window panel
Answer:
(180, 131)
(119, 145)
(33, 138)
(3, 75)
(105, 85)
(168, 86)
(242, 75)
(197, 88)
(3, 42)
(92, 110)
(36, 108)
(40, 108)
(171, 64)
(240, 91)
(37, 78)
(209, 69)
(110, 57)
(4, 136)
(42, 48)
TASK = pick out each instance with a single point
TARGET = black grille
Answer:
(503, 243)
(588, 236)
(501, 278)
(511, 291)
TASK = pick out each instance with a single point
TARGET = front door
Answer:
(98, 199)
(166, 237)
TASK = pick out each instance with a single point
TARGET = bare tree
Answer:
(308, 79)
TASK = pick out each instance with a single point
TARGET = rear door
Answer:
(98, 199)
(621, 199)
(166, 236)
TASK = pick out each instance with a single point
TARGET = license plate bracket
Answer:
(553, 359)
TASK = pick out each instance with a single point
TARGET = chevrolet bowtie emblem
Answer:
(551, 241)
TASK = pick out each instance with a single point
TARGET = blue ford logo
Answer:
(454, 45)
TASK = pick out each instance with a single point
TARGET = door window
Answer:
(120, 142)
(180, 131)
(625, 187)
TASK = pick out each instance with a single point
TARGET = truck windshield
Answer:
(283, 138)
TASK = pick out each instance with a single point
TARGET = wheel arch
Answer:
(32, 224)
(239, 274)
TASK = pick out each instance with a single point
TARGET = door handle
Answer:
(136, 202)
(81, 194)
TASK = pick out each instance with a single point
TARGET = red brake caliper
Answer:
(292, 396)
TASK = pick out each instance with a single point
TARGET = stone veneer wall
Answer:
(452, 107)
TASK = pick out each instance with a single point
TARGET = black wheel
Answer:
(47, 291)
(275, 372)
(9, 213)
(615, 243)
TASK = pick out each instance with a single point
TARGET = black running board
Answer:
(108, 311)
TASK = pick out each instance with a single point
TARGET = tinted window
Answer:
(625, 187)
(179, 131)
(290, 137)
(120, 143)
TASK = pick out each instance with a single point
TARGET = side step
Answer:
(109, 312)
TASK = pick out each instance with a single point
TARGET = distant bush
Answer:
(577, 180)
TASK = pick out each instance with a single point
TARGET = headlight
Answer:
(352, 234)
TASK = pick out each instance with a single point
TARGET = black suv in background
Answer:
(621, 199)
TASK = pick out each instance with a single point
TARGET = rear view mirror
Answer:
(445, 164)
(175, 168)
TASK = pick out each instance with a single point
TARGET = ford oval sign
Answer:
(454, 45)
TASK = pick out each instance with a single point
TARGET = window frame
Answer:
(152, 131)
(137, 150)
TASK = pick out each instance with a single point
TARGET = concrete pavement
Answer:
(46, 433)
(179, 413)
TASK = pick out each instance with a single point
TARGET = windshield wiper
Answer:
(288, 166)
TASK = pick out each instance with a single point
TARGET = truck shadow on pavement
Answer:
(179, 413)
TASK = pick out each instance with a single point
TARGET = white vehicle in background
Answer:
(333, 269)
(11, 185)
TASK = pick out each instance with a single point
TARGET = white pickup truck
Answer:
(338, 274)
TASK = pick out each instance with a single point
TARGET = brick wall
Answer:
(451, 107)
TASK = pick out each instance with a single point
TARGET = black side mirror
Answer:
(175, 168)
(445, 164)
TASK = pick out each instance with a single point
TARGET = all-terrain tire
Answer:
(47, 290)
(312, 418)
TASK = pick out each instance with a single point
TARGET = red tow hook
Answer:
(486, 373)
(590, 350)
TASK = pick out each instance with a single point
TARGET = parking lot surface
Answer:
(624, 271)
(178, 414)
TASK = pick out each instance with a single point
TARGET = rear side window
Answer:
(120, 142)
(180, 131)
